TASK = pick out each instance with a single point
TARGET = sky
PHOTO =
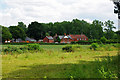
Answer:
(45, 11)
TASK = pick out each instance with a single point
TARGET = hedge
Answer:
(34, 43)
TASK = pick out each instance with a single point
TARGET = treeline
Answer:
(36, 30)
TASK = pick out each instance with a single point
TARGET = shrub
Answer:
(81, 42)
(19, 51)
(68, 49)
(10, 49)
(103, 39)
(73, 42)
(94, 46)
(33, 47)
(23, 48)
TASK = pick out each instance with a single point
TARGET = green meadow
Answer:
(53, 62)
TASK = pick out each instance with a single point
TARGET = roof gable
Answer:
(50, 37)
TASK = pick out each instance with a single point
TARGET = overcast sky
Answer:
(27, 11)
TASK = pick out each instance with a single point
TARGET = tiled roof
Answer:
(49, 37)
(77, 36)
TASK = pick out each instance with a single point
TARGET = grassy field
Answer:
(55, 63)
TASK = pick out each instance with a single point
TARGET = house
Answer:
(7, 41)
(78, 37)
(17, 40)
(66, 39)
(27, 39)
(48, 39)
(70, 38)
(30, 39)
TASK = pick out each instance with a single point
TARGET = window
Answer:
(80, 38)
(85, 38)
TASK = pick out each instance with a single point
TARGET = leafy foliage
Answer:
(103, 39)
(6, 35)
(33, 47)
(29, 47)
(23, 26)
(94, 46)
(36, 30)
(68, 49)
(109, 29)
(17, 32)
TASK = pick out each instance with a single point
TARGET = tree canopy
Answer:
(6, 35)
(36, 30)
(17, 32)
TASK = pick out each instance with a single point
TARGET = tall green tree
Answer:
(109, 26)
(23, 26)
(17, 32)
(6, 35)
(77, 26)
(36, 30)
(96, 29)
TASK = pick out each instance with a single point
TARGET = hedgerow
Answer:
(20, 50)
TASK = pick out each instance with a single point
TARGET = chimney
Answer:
(56, 35)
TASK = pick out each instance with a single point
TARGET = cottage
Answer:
(65, 39)
(48, 39)
(78, 37)
(70, 38)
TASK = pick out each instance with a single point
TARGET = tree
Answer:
(17, 32)
(109, 29)
(96, 29)
(36, 30)
(118, 34)
(58, 39)
(23, 26)
(6, 35)
(47, 34)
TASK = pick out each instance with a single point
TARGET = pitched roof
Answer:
(77, 36)
(65, 36)
(49, 37)
(29, 39)
(72, 36)
(60, 37)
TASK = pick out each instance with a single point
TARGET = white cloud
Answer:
(56, 10)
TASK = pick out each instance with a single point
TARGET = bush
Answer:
(33, 47)
(11, 49)
(68, 49)
(94, 46)
(103, 39)
(73, 42)
(20, 50)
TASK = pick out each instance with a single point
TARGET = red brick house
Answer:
(79, 37)
(65, 39)
(48, 39)
(70, 38)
